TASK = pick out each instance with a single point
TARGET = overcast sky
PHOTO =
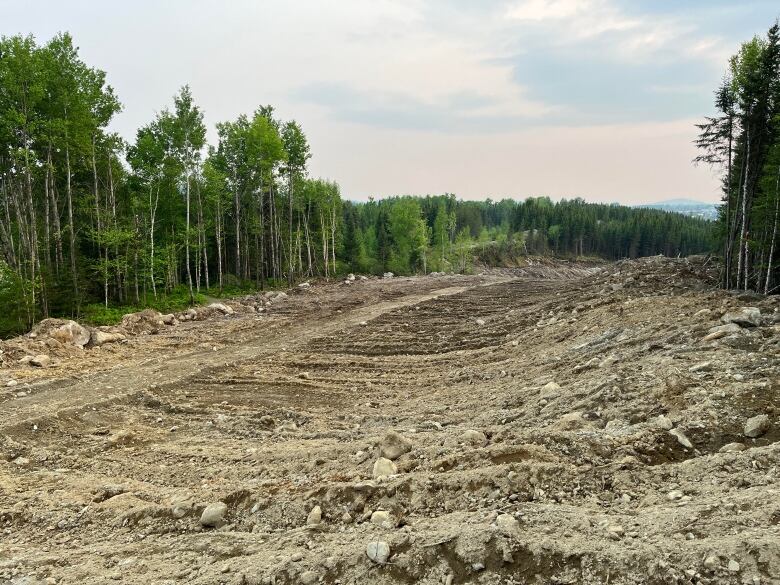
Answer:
(482, 98)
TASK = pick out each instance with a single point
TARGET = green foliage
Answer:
(743, 142)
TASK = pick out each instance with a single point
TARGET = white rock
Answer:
(732, 448)
(383, 467)
(733, 566)
(308, 578)
(304, 285)
(40, 361)
(757, 426)
(663, 422)
(681, 438)
(480, 322)
(378, 551)
(214, 515)
(99, 338)
(508, 524)
(222, 308)
(315, 516)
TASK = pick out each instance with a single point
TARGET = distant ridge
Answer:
(689, 207)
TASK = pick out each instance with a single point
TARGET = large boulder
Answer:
(71, 333)
(222, 308)
(744, 317)
(147, 321)
(100, 337)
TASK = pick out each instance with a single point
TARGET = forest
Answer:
(743, 141)
(91, 224)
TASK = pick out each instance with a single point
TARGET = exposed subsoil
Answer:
(557, 423)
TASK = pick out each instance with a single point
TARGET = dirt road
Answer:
(555, 424)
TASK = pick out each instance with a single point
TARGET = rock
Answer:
(394, 445)
(315, 516)
(308, 578)
(383, 518)
(40, 361)
(615, 531)
(99, 338)
(214, 515)
(11, 383)
(744, 317)
(663, 422)
(571, 422)
(711, 562)
(147, 321)
(508, 524)
(480, 322)
(21, 461)
(733, 566)
(675, 495)
(732, 448)
(304, 285)
(169, 319)
(757, 426)
(702, 367)
(681, 438)
(72, 333)
(350, 277)
(378, 551)
(383, 467)
(388, 275)
(296, 557)
(346, 518)
(721, 331)
(222, 308)
(550, 390)
(473, 437)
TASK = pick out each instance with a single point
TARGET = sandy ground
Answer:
(552, 424)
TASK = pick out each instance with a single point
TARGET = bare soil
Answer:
(571, 375)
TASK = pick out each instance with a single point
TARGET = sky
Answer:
(482, 98)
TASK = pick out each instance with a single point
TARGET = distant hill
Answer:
(689, 207)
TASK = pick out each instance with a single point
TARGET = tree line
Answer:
(743, 141)
(89, 220)
(442, 233)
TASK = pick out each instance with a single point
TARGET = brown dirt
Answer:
(108, 459)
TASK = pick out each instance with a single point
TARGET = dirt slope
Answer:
(553, 424)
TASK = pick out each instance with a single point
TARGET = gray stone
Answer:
(744, 317)
(315, 516)
(378, 551)
(308, 577)
(732, 448)
(394, 445)
(214, 515)
(99, 338)
(72, 333)
(681, 438)
(508, 524)
(757, 426)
